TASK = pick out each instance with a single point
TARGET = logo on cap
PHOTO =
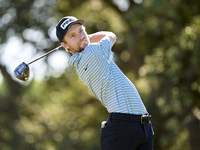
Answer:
(66, 23)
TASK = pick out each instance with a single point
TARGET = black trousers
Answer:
(126, 135)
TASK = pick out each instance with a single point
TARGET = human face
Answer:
(76, 39)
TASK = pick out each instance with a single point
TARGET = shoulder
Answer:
(98, 48)
(106, 41)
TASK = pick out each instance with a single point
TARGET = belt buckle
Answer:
(142, 116)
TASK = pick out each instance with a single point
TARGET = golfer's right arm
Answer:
(96, 37)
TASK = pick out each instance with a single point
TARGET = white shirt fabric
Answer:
(97, 70)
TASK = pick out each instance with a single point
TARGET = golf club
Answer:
(22, 71)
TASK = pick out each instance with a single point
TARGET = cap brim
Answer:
(79, 21)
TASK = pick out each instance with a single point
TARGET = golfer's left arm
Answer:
(96, 37)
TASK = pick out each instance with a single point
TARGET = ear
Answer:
(65, 45)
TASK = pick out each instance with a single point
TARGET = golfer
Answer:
(128, 126)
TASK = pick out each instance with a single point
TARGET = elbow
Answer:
(113, 38)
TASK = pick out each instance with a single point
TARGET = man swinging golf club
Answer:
(128, 126)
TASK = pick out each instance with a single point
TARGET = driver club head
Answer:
(22, 72)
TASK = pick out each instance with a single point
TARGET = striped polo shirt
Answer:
(97, 70)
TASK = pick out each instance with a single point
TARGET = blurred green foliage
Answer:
(157, 48)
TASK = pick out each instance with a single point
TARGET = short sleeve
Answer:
(105, 46)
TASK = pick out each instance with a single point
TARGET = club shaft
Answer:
(55, 49)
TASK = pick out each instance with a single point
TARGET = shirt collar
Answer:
(75, 58)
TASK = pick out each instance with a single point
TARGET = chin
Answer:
(84, 46)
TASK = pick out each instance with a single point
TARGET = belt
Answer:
(131, 118)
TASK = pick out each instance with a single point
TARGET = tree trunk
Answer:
(194, 133)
